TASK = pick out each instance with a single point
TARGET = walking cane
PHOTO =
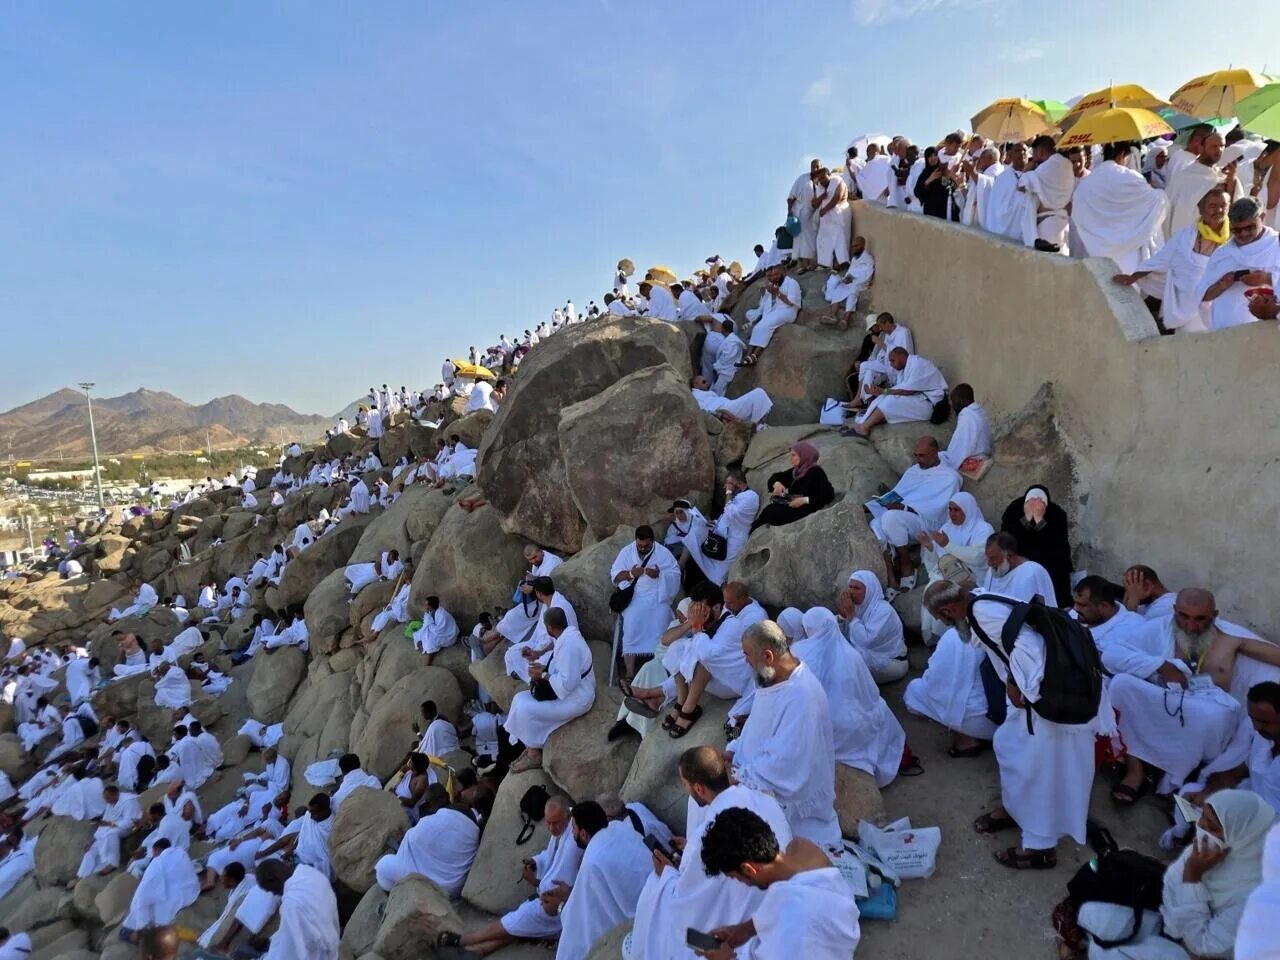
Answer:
(613, 653)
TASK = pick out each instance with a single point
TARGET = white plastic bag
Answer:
(911, 852)
(832, 413)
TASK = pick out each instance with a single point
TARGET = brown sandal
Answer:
(1026, 860)
(675, 731)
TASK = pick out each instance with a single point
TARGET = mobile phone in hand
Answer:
(654, 844)
(699, 940)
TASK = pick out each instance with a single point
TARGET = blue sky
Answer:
(294, 200)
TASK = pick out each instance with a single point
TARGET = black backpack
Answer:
(1071, 689)
(88, 725)
(532, 806)
(1123, 877)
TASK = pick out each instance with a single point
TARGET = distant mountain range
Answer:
(148, 422)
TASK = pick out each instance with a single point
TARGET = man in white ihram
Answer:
(678, 897)
(779, 305)
(844, 287)
(1115, 213)
(1051, 185)
(787, 748)
(752, 407)
(1046, 768)
(565, 687)
(741, 504)
(650, 572)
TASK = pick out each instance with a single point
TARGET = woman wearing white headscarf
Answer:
(963, 536)
(791, 620)
(1258, 937)
(1205, 889)
(868, 736)
(874, 627)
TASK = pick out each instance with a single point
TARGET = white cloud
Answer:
(1021, 53)
(819, 92)
(872, 12)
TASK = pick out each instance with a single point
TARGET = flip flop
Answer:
(989, 824)
(638, 706)
(1123, 795)
(1029, 860)
(625, 686)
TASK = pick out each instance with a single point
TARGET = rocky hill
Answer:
(149, 422)
(599, 433)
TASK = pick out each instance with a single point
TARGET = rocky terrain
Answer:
(599, 433)
(149, 421)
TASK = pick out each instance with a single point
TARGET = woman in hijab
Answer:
(1041, 529)
(934, 186)
(791, 620)
(1205, 889)
(798, 492)
(963, 536)
(874, 627)
(868, 736)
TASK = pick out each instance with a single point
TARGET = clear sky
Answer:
(296, 200)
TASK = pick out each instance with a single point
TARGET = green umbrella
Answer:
(1055, 110)
(1259, 112)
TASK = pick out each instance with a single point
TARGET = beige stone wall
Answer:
(1177, 438)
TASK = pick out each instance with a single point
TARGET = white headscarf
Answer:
(840, 668)
(790, 620)
(876, 628)
(1245, 819)
(1037, 493)
(975, 529)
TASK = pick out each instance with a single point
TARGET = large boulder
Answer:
(119, 698)
(390, 529)
(522, 469)
(305, 571)
(579, 756)
(804, 563)
(383, 742)
(491, 883)
(824, 356)
(62, 844)
(471, 427)
(470, 563)
(276, 674)
(31, 904)
(491, 673)
(633, 448)
(362, 828)
(15, 763)
(653, 779)
(584, 578)
(362, 928)
(328, 612)
(416, 911)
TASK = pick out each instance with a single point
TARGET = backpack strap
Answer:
(1008, 633)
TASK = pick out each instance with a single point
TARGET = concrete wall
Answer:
(1177, 439)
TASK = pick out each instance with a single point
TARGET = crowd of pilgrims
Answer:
(1187, 703)
(1192, 222)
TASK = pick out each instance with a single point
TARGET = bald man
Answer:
(159, 943)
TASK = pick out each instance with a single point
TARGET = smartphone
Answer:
(699, 940)
(653, 843)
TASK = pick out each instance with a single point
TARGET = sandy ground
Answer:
(972, 906)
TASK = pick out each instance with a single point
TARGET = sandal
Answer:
(675, 731)
(1027, 860)
(447, 938)
(989, 824)
(524, 763)
(640, 708)
(746, 362)
(625, 686)
(1123, 795)
(957, 753)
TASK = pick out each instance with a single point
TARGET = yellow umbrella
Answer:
(1113, 126)
(735, 270)
(1215, 94)
(1130, 95)
(473, 371)
(1009, 120)
(626, 267)
(662, 274)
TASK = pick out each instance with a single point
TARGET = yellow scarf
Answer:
(1214, 236)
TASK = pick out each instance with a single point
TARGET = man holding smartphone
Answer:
(1243, 268)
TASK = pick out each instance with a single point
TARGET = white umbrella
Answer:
(879, 139)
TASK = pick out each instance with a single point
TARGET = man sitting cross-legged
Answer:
(556, 864)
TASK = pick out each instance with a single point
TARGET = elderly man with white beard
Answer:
(1181, 698)
(679, 896)
(1046, 768)
(556, 864)
(787, 746)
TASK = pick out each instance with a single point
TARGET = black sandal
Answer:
(447, 938)
(640, 708)
(1028, 860)
(989, 824)
(746, 362)
(1123, 795)
(675, 731)
(625, 686)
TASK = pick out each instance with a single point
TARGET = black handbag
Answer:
(620, 599)
(541, 689)
(715, 547)
(532, 806)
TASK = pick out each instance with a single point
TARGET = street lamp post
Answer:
(93, 436)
